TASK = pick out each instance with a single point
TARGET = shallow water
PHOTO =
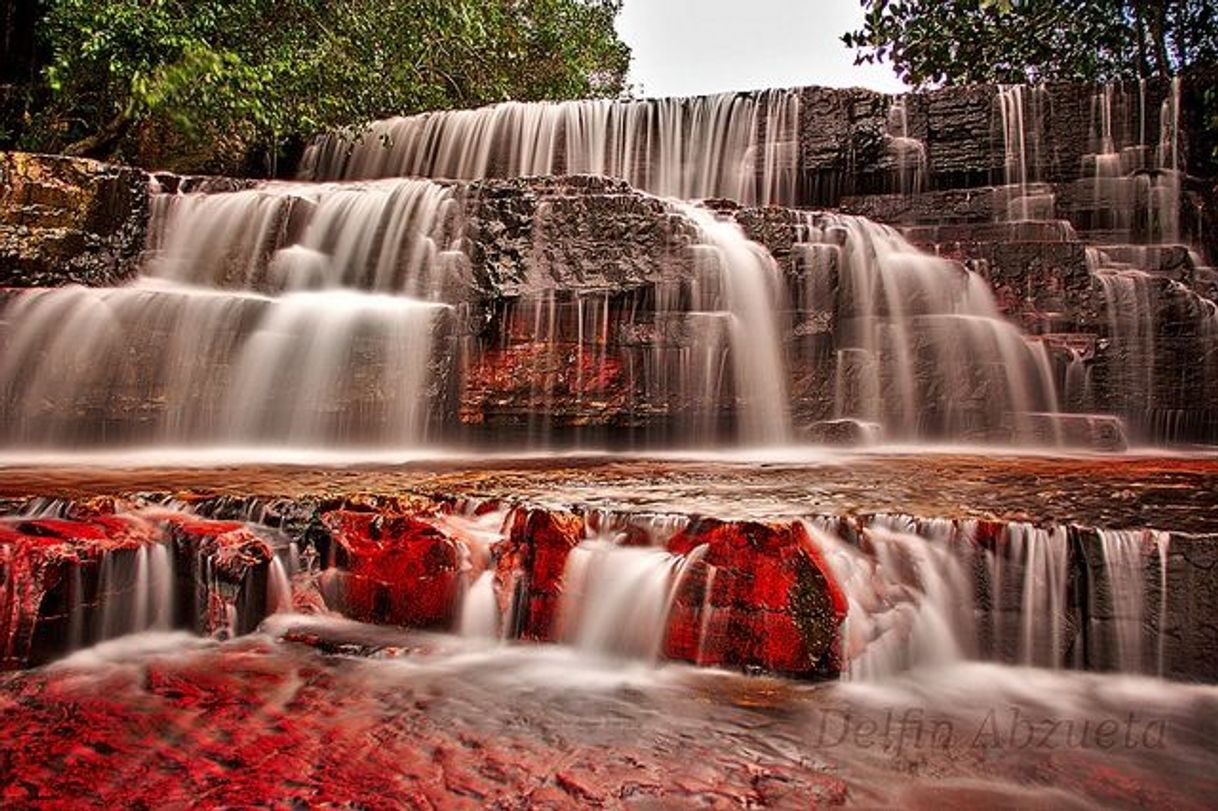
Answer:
(326, 710)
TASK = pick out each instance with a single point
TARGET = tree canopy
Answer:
(249, 75)
(934, 42)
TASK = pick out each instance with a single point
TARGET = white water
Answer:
(910, 153)
(1021, 113)
(751, 292)
(257, 319)
(926, 593)
(616, 599)
(921, 346)
(1127, 554)
(278, 587)
(135, 594)
(480, 610)
(737, 146)
(1044, 556)
(393, 236)
(906, 596)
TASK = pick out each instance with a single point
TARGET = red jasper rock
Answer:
(38, 557)
(759, 596)
(224, 563)
(530, 563)
(394, 569)
(577, 384)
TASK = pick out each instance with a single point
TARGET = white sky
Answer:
(692, 47)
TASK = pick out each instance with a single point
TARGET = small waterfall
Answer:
(904, 594)
(1131, 304)
(1021, 110)
(732, 145)
(616, 599)
(910, 153)
(390, 237)
(1162, 545)
(480, 609)
(923, 349)
(742, 280)
(930, 592)
(1124, 568)
(1165, 187)
(222, 340)
(1126, 555)
(278, 587)
(1045, 556)
(135, 592)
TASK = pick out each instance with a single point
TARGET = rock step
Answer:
(753, 595)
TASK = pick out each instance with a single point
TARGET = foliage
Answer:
(263, 72)
(931, 42)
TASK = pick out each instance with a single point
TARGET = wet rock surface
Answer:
(69, 221)
(424, 722)
(754, 594)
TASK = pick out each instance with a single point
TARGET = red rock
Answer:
(395, 569)
(229, 560)
(36, 558)
(530, 563)
(760, 597)
(576, 385)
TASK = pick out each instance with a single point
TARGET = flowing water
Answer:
(342, 314)
(733, 145)
(441, 720)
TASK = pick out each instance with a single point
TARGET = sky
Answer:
(692, 47)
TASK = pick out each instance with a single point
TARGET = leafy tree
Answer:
(258, 74)
(931, 42)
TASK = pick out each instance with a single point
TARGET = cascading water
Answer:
(616, 598)
(136, 592)
(1043, 556)
(1126, 604)
(278, 587)
(731, 145)
(1021, 113)
(909, 152)
(921, 346)
(740, 279)
(278, 314)
(927, 593)
(479, 609)
(904, 594)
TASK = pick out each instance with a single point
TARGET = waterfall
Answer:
(904, 595)
(390, 236)
(739, 146)
(135, 593)
(923, 349)
(1126, 609)
(750, 292)
(1044, 556)
(616, 599)
(278, 587)
(480, 610)
(286, 313)
(1021, 110)
(910, 153)
(922, 593)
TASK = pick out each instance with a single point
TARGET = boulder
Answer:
(393, 568)
(758, 596)
(530, 563)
